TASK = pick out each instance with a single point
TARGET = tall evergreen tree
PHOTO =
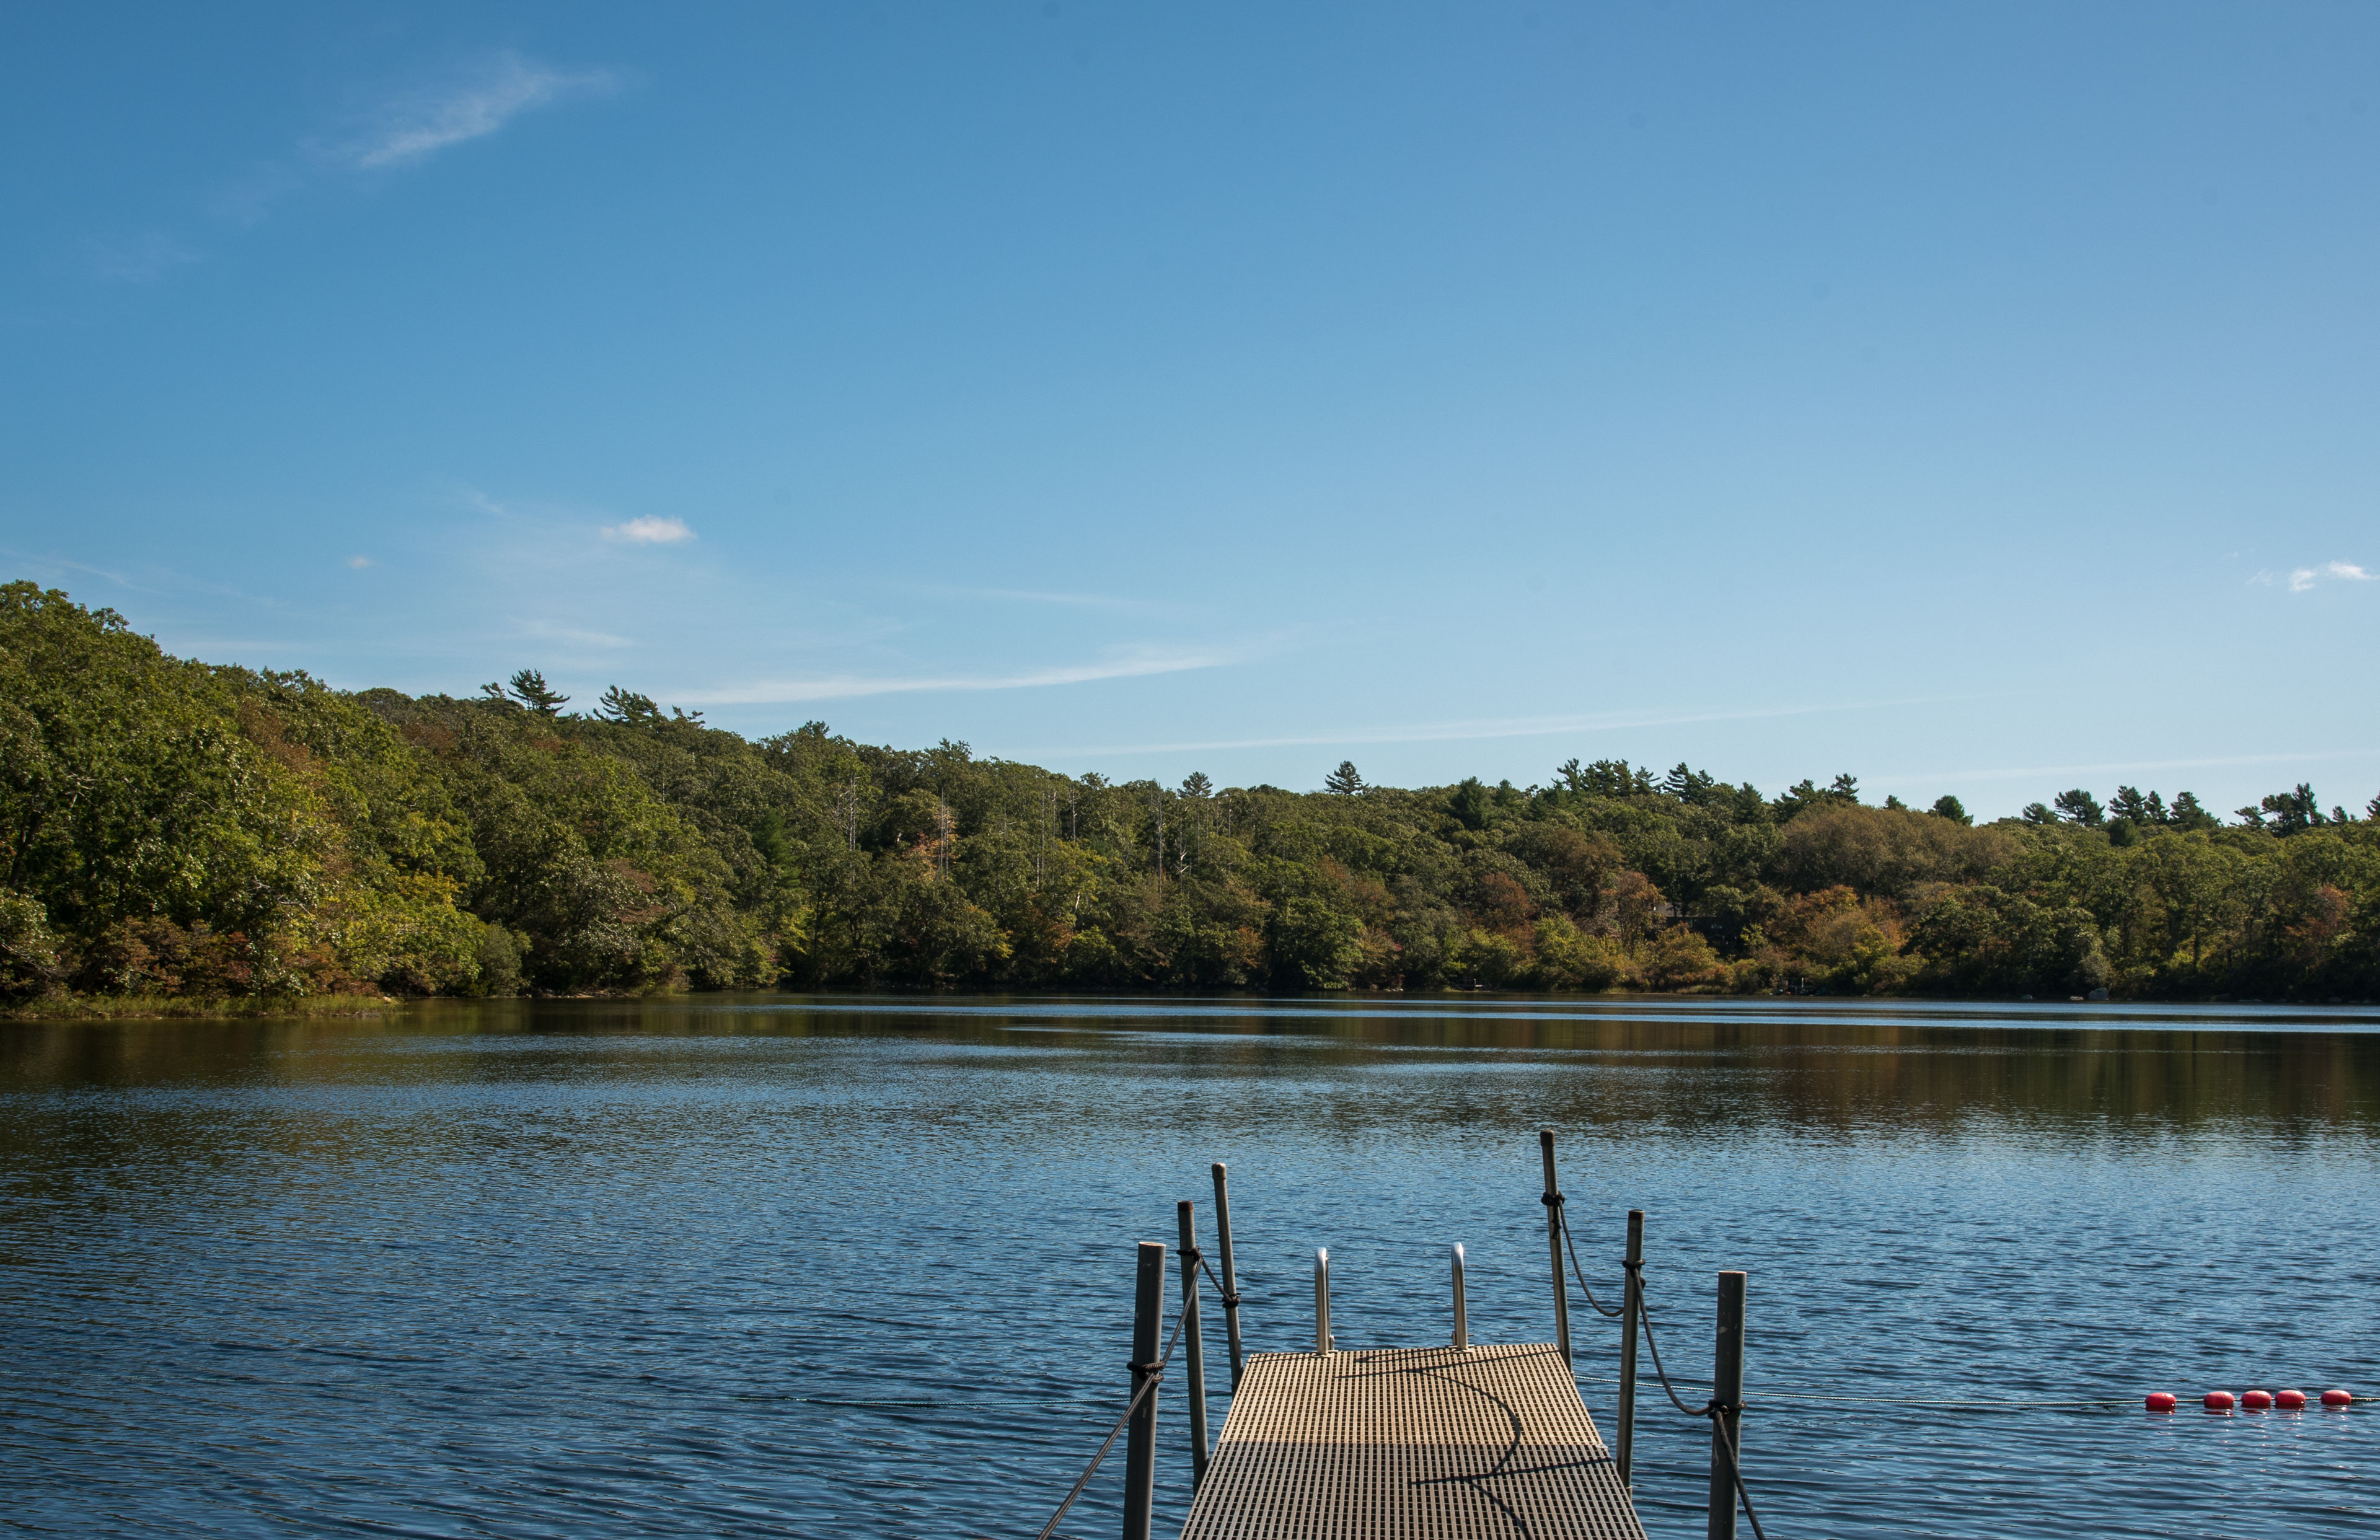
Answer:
(530, 689)
(2079, 806)
(626, 708)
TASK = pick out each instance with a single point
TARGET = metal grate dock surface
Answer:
(1411, 1444)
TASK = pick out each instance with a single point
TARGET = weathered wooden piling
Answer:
(1727, 1411)
(1553, 1201)
(1230, 1279)
(1140, 1446)
(1631, 1310)
(1191, 1341)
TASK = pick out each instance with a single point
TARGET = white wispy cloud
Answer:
(2303, 579)
(648, 530)
(549, 631)
(417, 125)
(360, 563)
(849, 687)
(402, 129)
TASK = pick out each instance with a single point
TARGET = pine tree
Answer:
(530, 689)
(1688, 785)
(628, 707)
(1346, 781)
(2079, 806)
(2293, 811)
(2130, 805)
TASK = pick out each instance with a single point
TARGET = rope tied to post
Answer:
(1718, 1412)
(1148, 1376)
(1229, 1299)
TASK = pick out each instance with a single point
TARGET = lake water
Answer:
(746, 1265)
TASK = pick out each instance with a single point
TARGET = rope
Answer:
(1977, 1404)
(1735, 1465)
(1713, 1409)
(1223, 1296)
(1149, 1376)
(1646, 1315)
(1561, 1216)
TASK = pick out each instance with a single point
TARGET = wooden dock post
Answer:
(1230, 1279)
(1631, 1306)
(1553, 1201)
(1462, 1319)
(1191, 1340)
(1322, 1299)
(1727, 1390)
(1140, 1447)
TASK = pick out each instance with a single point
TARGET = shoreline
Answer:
(117, 1008)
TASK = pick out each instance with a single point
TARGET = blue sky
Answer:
(1980, 400)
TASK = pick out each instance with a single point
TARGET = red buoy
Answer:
(2162, 1400)
(2289, 1400)
(2218, 1400)
(2256, 1401)
(2337, 1398)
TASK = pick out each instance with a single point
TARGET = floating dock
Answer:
(1411, 1444)
(1468, 1441)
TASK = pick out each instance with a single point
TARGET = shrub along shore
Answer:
(177, 832)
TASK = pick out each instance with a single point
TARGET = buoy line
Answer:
(2253, 1401)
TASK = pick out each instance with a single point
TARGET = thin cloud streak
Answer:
(2023, 772)
(850, 686)
(548, 631)
(415, 127)
(2306, 578)
(1028, 596)
(649, 530)
(404, 130)
(1507, 727)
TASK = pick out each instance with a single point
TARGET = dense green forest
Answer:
(177, 828)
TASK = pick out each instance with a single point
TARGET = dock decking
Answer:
(1411, 1444)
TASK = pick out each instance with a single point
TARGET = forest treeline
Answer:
(175, 827)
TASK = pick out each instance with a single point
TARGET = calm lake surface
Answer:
(827, 1267)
